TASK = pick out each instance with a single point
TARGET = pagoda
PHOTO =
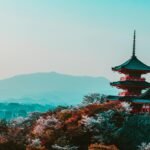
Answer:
(132, 83)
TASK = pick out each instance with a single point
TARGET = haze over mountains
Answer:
(51, 88)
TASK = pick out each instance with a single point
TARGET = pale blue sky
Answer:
(80, 37)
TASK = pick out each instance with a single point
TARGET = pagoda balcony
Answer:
(128, 78)
(126, 93)
(145, 108)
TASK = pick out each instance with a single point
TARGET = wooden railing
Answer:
(126, 93)
(131, 79)
(145, 108)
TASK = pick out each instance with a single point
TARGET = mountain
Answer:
(54, 88)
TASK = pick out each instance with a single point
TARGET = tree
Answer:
(3, 126)
(93, 98)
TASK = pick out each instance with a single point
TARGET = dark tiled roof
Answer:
(113, 98)
(132, 83)
(145, 101)
(133, 64)
(121, 98)
(146, 95)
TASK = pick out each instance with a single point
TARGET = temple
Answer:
(132, 83)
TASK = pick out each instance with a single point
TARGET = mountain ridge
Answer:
(52, 87)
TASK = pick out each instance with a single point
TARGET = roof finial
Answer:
(134, 40)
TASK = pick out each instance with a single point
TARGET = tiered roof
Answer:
(132, 84)
(144, 98)
(133, 67)
(146, 95)
(133, 64)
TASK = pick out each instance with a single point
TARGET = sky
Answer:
(78, 37)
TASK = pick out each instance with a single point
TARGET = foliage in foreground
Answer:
(96, 124)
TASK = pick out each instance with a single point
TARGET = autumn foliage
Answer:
(60, 129)
(102, 147)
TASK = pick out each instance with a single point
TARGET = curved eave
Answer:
(112, 97)
(125, 84)
(141, 101)
(146, 95)
(133, 64)
(126, 70)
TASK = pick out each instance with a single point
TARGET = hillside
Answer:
(99, 126)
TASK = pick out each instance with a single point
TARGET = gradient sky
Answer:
(79, 37)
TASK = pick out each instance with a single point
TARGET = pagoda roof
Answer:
(146, 95)
(112, 97)
(133, 64)
(121, 98)
(144, 98)
(145, 101)
(131, 83)
(129, 99)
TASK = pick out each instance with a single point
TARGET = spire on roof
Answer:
(134, 40)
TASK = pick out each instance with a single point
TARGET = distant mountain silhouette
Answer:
(51, 88)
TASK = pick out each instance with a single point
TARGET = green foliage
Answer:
(3, 126)
(60, 107)
(134, 131)
(93, 98)
(11, 146)
(78, 127)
